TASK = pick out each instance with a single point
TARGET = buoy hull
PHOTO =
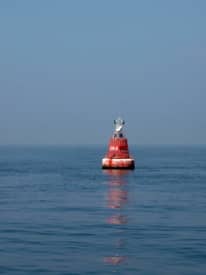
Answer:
(112, 163)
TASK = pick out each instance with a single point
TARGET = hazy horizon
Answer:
(69, 68)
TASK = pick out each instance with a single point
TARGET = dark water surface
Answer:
(61, 214)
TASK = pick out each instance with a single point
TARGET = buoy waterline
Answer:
(117, 156)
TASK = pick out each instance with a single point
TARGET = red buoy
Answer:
(118, 156)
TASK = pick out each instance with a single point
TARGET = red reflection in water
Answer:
(117, 198)
(116, 172)
(117, 219)
(114, 260)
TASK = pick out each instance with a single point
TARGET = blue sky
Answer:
(68, 68)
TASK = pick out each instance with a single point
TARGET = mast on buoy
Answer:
(117, 156)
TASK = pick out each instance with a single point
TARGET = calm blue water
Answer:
(61, 214)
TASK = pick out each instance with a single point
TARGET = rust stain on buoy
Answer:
(118, 156)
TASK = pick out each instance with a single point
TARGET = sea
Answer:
(60, 213)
